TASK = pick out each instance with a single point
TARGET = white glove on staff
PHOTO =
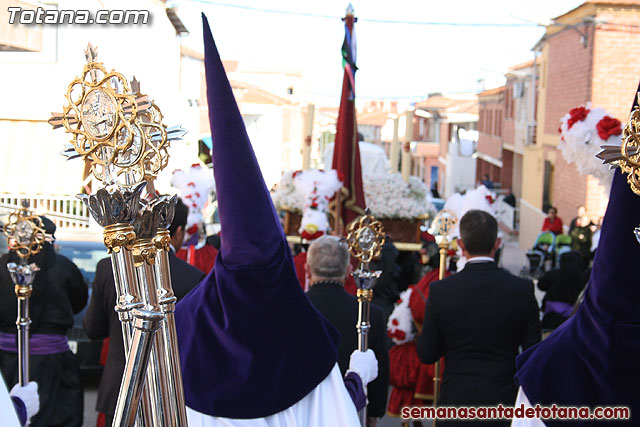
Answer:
(29, 395)
(365, 365)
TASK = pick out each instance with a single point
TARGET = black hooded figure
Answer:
(563, 286)
(59, 292)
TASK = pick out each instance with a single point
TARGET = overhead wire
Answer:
(369, 20)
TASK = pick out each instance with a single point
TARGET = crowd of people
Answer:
(572, 251)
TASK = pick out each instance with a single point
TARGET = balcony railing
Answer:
(65, 211)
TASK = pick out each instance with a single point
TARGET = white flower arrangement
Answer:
(583, 130)
(286, 196)
(400, 323)
(386, 195)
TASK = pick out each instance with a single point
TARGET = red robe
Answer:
(202, 258)
(411, 379)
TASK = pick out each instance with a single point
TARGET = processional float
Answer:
(25, 236)
(441, 228)
(119, 132)
(365, 237)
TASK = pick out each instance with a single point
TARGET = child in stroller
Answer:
(543, 251)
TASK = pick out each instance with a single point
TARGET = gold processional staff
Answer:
(119, 132)
(25, 236)
(365, 237)
(441, 227)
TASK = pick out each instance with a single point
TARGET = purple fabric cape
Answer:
(251, 344)
(592, 358)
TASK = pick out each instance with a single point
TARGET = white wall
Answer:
(460, 171)
(34, 84)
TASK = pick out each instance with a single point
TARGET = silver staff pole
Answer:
(25, 236)
(365, 237)
(167, 301)
(114, 208)
(119, 132)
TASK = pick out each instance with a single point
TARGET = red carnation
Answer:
(608, 126)
(394, 322)
(193, 229)
(400, 335)
(311, 236)
(577, 114)
(399, 301)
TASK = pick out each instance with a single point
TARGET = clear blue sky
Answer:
(394, 60)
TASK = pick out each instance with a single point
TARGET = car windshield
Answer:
(83, 254)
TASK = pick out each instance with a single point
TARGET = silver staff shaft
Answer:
(22, 323)
(363, 327)
(157, 374)
(22, 276)
(118, 239)
(365, 280)
(364, 311)
(145, 324)
(167, 300)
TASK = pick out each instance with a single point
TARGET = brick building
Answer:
(491, 108)
(587, 54)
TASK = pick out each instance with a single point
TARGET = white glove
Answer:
(365, 365)
(29, 395)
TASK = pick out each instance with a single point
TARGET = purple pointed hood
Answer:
(251, 344)
(592, 358)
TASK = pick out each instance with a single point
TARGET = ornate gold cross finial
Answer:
(24, 232)
(365, 237)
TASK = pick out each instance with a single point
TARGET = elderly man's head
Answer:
(327, 259)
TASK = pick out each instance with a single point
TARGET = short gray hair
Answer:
(328, 257)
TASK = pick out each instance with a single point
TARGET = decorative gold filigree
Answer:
(630, 151)
(24, 232)
(162, 240)
(443, 224)
(23, 292)
(119, 236)
(365, 236)
(365, 294)
(144, 251)
(118, 131)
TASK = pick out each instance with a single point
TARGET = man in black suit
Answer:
(101, 320)
(327, 267)
(478, 319)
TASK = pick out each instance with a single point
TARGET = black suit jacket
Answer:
(478, 319)
(102, 321)
(341, 309)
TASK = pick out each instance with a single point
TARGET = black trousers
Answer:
(59, 387)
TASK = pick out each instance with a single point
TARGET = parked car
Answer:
(85, 254)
